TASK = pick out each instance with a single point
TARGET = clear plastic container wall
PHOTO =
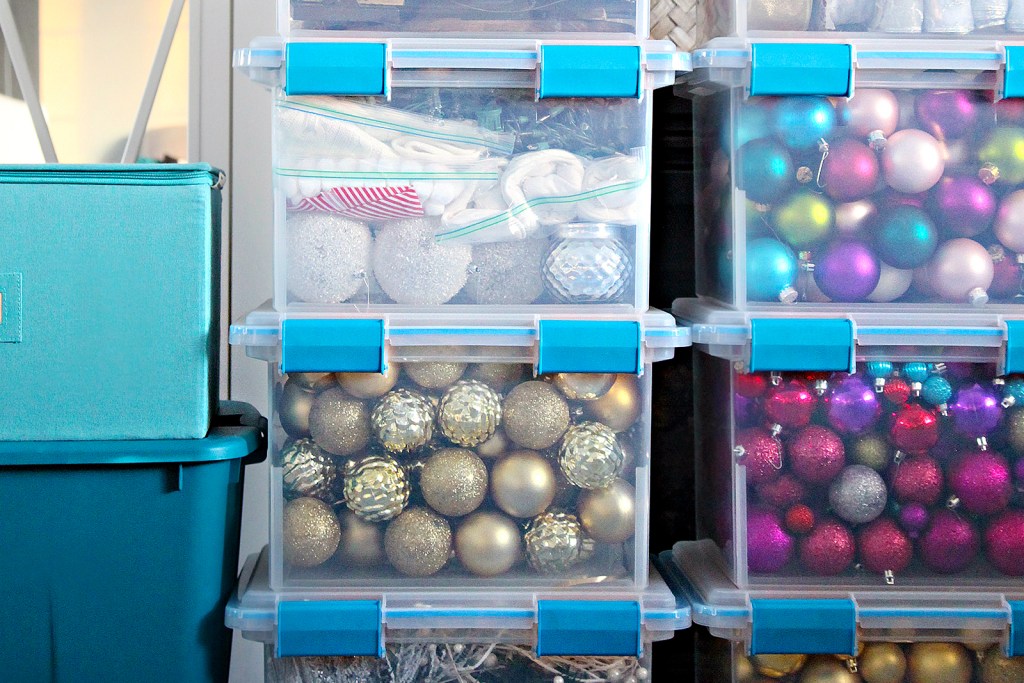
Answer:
(894, 196)
(905, 473)
(457, 474)
(461, 196)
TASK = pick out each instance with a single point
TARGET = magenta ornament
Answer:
(769, 545)
(950, 544)
(790, 404)
(761, 454)
(1004, 543)
(853, 406)
(981, 480)
(963, 206)
(917, 479)
(850, 172)
(782, 492)
(743, 408)
(948, 114)
(883, 546)
(816, 454)
(914, 429)
(914, 518)
(1006, 273)
(847, 270)
(829, 549)
(976, 411)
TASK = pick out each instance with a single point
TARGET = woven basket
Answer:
(677, 21)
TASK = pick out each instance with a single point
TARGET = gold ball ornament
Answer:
(362, 543)
(608, 515)
(293, 406)
(555, 542)
(453, 481)
(743, 671)
(376, 488)
(339, 423)
(620, 407)
(535, 415)
(590, 455)
(310, 531)
(777, 666)
(435, 375)
(523, 484)
(498, 376)
(488, 544)
(369, 384)
(882, 663)
(996, 667)
(313, 381)
(418, 542)
(306, 470)
(939, 663)
(824, 669)
(871, 451)
(469, 412)
(584, 386)
(494, 447)
(403, 421)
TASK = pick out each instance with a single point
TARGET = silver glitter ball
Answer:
(555, 542)
(588, 264)
(403, 421)
(506, 273)
(306, 470)
(590, 455)
(858, 495)
(469, 412)
(413, 268)
(376, 488)
(328, 257)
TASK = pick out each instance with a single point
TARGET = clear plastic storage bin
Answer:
(910, 192)
(456, 185)
(457, 467)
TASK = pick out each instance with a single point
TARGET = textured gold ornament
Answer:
(523, 483)
(535, 415)
(293, 406)
(620, 407)
(824, 669)
(488, 543)
(418, 542)
(435, 375)
(998, 668)
(590, 456)
(403, 421)
(310, 532)
(777, 666)
(494, 446)
(339, 423)
(608, 514)
(369, 384)
(882, 663)
(306, 470)
(939, 663)
(744, 669)
(555, 542)
(453, 481)
(314, 381)
(376, 488)
(584, 386)
(362, 543)
(498, 376)
(469, 412)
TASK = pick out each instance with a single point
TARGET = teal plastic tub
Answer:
(117, 558)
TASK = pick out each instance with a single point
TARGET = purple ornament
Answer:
(769, 546)
(976, 411)
(847, 271)
(948, 114)
(853, 406)
(981, 480)
(963, 206)
(950, 543)
(914, 518)
(743, 409)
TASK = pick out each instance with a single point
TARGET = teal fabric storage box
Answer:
(119, 557)
(109, 301)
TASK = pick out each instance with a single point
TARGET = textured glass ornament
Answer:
(306, 470)
(376, 488)
(403, 421)
(590, 456)
(588, 263)
(469, 412)
(555, 542)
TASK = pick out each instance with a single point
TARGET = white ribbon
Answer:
(948, 16)
(898, 16)
(614, 183)
(989, 13)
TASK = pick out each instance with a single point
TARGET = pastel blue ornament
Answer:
(906, 237)
(916, 372)
(936, 391)
(801, 122)
(771, 271)
(752, 122)
(765, 170)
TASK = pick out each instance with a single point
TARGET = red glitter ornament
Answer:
(828, 550)
(897, 391)
(914, 429)
(816, 454)
(750, 385)
(883, 546)
(917, 479)
(799, 519)
(1004, 542)
(790, 404)
(782, 492)
(761, 454)
(950, 544)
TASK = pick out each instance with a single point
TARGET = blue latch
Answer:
(823, 69)
(1014, 346)
(778, 345)
(1013, 71)
(590, 346)
(590, 71)
(588, 628)
(816, 627)
(1016, 644)
(332, 346)
(342, 629)
(335, 69)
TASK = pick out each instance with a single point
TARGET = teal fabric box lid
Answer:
(109, 301)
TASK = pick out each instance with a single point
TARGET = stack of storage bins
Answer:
(459, 344)
(860, 220)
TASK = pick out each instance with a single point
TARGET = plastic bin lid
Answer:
(238, 432)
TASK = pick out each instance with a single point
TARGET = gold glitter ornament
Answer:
(825, 669)
(339, 423)
(453, 481)
(777, 666)
(523, 484)
(555, 542)
(998, 668)
(535, 415)
(418, 542)
(362, 543)
(403, 421)
(871, 450)
(370, 384)
(494, 446)
(620, 407)
(469, 412)
(435, 375)
(882, 663)
(608, 514)
(306, 470)
(744, 669)
(498, 376)
(293, 405)
(488, 543)
(590, 456)
(313, 381)
(584, 386)
(376, 487)
(310, 532)
(939, 663)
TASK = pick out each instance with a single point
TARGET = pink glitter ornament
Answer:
(914, 429)
(1004, 542)
(918, 479)
(816, 455)
(790, 404)
(981, 480)
(769, 546)
(828, 550)
(884, 547)
(950, 543)
(781, 492)
(761, 454)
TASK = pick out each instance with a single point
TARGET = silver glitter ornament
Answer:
(555, 542)
(898, 16)
(339, 423)
(403, 421)
(418, 542)
(453, 481)
(306, 470)
(858, 495)
(590, 456)
(293, 406)
(989, 13)
(535, 415)
(948, 16)
(310, 532)
(588, 264)
(376, 488)
(469, 412)
(506, 273)
(435, 375)
(328, 257)
(413, 268)
(779, 15)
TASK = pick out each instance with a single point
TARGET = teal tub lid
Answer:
(112, 174)
(238, 432)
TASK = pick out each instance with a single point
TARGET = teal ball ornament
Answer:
(906, 237)
(753, 121)
(771, 271)
(801, 122)
(765, 170)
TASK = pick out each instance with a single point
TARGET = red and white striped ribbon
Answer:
(365, 203)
